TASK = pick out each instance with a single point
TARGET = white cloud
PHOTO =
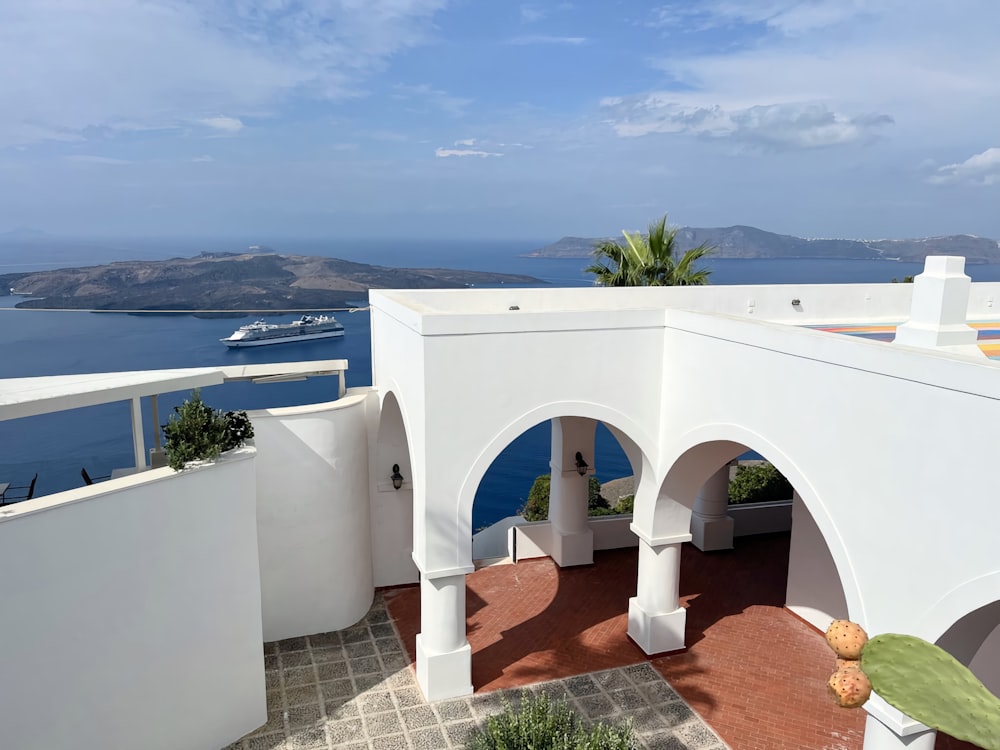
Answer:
(788, 17)
(203, 159)
(531, 13)
(224, 124)
(141, 64)
(426, 95)
(90, 159)
(442, 153)
(546, 39)
(979, 169)
(466, 142)
(775, 127)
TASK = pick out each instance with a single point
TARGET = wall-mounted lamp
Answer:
(796, 302)
(581, 465)
(397, 478)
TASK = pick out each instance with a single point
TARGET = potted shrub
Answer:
(196, 432)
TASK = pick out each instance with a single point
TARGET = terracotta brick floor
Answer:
(755, 672)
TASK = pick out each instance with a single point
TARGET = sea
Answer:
(98, 438)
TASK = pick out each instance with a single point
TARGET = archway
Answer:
(392, 508)
(739, 611)
(442, 647)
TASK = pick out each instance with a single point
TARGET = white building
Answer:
(186, 573)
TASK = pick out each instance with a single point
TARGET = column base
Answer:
(656, 633)
(709, 534)
(572, 549)
(879, 737)
(447, 675)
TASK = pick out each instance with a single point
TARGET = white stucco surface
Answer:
(131, 613)
(313, 516)
(873, 436)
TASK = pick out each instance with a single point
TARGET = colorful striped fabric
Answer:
(989, 334)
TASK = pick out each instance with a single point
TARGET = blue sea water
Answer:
(57, 446)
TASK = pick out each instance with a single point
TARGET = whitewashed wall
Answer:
(130, 613)
(986, 663)
(813, 591)
(313, 516)
(760, 518)
(691, 390)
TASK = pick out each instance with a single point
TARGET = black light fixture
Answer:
(581, 465)
(397, 478)
(796, 302)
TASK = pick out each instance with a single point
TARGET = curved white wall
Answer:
(813, 590)
(130, 613)
(313, 517)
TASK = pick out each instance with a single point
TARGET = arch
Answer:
(973, 596)
(702, 451)
(392, 439)
(392, 510)
(634, 440)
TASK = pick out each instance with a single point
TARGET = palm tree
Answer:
(649, 260)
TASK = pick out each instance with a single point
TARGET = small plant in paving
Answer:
(541, 724)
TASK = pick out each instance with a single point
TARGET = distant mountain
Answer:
(750, 242)
(220, 281)
(23, 233)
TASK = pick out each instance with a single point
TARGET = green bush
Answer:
(196, 432)
(537, 506)
(625, 504)
(540, 724)
(758, 484)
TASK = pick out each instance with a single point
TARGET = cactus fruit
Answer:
(850, 686)
(928, 684)
(846, 638)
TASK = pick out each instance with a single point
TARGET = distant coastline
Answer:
(744, 242)
(259, 280)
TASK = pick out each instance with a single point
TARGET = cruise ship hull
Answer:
(307, 328)
(284, 339)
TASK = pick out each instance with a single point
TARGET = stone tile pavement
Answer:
(355, 689)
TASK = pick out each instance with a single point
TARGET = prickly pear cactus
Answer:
(850, 686)
(928, 684)
(846, 638)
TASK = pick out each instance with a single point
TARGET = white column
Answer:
(939, 307)
(711, 528)
(655, 618)
(444, 656)
(138, 442)
(572, 538)
(879, 737)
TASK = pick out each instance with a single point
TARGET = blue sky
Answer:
(430, 118)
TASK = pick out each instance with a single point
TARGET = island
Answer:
(750, 242)
(219, 282)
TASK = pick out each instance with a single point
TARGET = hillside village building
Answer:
(889, 447)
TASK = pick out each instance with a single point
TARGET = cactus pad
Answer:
(928, 684)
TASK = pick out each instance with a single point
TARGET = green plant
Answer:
(625, 504)
(196, 432)
(758, 484)
(928, 684)
(541, 724)
(239, 429)
(920, 679)
(649, 260)
(537, 506)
